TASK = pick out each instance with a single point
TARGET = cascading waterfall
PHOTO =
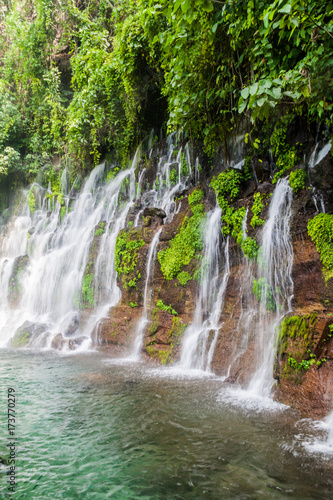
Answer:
(274, 286)
(173, 175)
(138, 341)
(201, 336)
(56, 257)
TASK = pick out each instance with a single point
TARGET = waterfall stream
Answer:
(201, 336)
(51, 258)
(138, 341)
(274, 286)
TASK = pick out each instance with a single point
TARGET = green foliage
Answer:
(173, 176)
(101, 229)
(160, 305)
(297, 180)
(196, 65)
(264, 294)
(126, 257)
(183, 278)
(256, 210)
(227, 186)
(250, 248)
(187, 242)
(195, 197)
(133, 304)
(88, 289)
(320, 230)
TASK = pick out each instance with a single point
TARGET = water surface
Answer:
(89, 427)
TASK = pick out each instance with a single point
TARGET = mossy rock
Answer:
(25, 333)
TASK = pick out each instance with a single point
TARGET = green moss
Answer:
(183, 278)
(101, 229)
(320, 230)
(187, 242)
(88, 289)
(227, 186)
(126, 257)
(195, 197)
(133, 304)
(20, 340)
(160, 305)
(250, 248)
(297, 180)
(296, 328)
(256, 210)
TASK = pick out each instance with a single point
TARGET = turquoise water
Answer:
(90, 428)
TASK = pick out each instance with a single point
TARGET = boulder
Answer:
(26, 333)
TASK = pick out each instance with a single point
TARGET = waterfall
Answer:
(138, 341)
(54, 253)
(201, 336)
(329, 422)
(173, 175)
(316, 158)
(274, 286)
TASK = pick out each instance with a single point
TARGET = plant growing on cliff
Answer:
(256, 210)
(297, 180)
(163, 307)
(187, 242)
(320, 230)
(126, 257)
(88, 289)
(227, 186)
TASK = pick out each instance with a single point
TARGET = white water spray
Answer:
(58, 256)
(201, 336)
(138, 341)
(274, 284)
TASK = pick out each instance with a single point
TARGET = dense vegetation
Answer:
(81, 79)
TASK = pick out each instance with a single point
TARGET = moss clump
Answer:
(160, 305)
(297, 180)
(187, 243)
(295, 346)
(227, 186)
(88, 289)
(127, 246)
(195, 197)
(184, 277)
(250, 248)
(21, 339)
(100, 229)
(320, 230)
(257, 209)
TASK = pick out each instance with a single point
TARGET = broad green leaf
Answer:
(253, 88)
(286, 9)
(241, 105)
(245, 93)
